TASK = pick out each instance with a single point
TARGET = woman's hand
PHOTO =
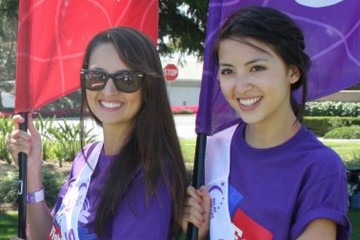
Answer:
(197, 210)
(26, 142)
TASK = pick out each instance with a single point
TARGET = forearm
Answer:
(40, 220)
(38, 213)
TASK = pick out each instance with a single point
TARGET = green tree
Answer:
(8, 35)
(182, 27)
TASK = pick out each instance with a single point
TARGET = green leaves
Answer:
(66, 138)
(60, 140)
(5, 128)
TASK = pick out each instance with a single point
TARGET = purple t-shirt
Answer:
(275, 193)
(135, 218)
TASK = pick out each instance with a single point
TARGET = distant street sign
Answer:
(171, 72)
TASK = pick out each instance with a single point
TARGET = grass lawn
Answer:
(348, 150)
(8, 225)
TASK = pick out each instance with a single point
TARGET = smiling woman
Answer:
(123, 186)
(269, 177)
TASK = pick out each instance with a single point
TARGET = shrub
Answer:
(52, 182)
(8, 187)
(321, 125)
(44, 125)
(346, 132)
(67, 143)
(6, 127)
(353, 164)
(184, 109)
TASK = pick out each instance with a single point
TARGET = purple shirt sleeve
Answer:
(323, 197)
(286, 187)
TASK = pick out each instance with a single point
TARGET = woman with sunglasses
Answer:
(268, 177)
(130, 185)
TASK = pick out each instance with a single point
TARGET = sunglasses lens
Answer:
(127, 81)
(94, 80)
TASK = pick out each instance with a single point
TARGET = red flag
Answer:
(53, 34)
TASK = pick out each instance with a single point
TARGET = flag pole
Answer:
(198, 177)
(22, 186)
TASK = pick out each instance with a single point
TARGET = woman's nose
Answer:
(242, 83)
(110, 86)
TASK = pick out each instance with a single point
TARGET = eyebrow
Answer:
(246, 64)
(225, 64)
(256, 60)
(97, 69)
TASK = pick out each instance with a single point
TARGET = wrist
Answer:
(35, 197)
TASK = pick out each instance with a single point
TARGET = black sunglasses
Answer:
(126, 81)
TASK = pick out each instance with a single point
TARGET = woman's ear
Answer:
(294, 74)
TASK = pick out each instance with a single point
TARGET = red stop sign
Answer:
(171, 72)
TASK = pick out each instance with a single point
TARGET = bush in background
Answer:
(59, 142)
(66, 140)
(44, 125)
(346, 132)
(353, 164)
(52, 181)
(5, 128)
(9, 187)
(321, 125)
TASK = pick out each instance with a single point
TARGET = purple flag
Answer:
(332, 37)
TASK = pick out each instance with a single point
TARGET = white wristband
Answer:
(35, 197)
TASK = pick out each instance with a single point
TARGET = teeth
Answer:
(110, 104)
(249, 101)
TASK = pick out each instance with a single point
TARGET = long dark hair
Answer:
(162, 158)
(276, 29)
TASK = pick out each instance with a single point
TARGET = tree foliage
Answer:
(8, 35)
(182, 27)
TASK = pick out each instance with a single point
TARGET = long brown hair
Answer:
(154, 123)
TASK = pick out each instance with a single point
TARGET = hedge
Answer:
(321, 125)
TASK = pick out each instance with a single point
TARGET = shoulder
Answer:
(80, 159)
(319, 155)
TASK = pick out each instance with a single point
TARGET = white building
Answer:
(185, 90)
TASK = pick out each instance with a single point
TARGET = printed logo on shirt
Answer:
(55, 233)
(246, 228)
(217, 199)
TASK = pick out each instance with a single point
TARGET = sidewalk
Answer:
(185, 126)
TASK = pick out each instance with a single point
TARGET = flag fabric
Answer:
(52, 37)
(332, 36)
